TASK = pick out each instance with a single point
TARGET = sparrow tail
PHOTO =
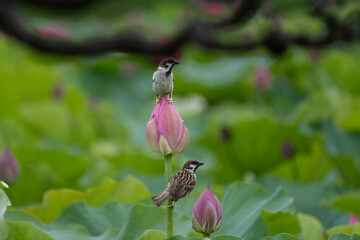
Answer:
(160, 198)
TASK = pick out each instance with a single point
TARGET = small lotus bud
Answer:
(9, 168)
(353, 219)
(225, 134)
(92, 102)
(262, 78)
(165, 131)
(58, 91)
(134, 19)
(206, 213)
(314, 55)
(287, 149)
(248, 35)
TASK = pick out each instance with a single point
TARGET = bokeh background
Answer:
(280, 107)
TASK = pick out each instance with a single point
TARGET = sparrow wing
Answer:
(154, 75)
(181, 185)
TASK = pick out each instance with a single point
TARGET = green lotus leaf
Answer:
(54, 202)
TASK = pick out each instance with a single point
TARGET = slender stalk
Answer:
(169, 210)
(206, 235)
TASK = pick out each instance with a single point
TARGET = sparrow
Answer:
(163, 79)
(180, 185)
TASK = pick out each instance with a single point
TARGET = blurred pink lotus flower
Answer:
(54, 31)
(276, 21)
(225, 134)
(158, 57)
(262, 78)
(9, 167)
(58, 91)
(5, 35)
(92, 102)
(134, 19)
(207, 213)
(128, 67)
(314, 55)
(165, 131)
(214, 8)
(287, 149)
(353, 219)
(248, 35)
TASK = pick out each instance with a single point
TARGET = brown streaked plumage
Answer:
(180, 185)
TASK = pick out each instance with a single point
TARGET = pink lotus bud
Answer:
(214, 8)
(287, 149)
(54, 31)
(9, 168)
(225, 134)
(248, 35)
(165, 131)
(207, 213)
(58, 91)
(5, 35)
(92, 102)
(353, 219)
(134, 19)
(262, 78)
(314, 55)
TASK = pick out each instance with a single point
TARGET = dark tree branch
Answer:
(244, 10)
(61, 4)
(199, 32)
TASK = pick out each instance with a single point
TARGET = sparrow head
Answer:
(167, 64)
(192, 165)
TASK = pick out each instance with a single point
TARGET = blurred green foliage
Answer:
(77, 128)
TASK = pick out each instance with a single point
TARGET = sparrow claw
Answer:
(172, 205)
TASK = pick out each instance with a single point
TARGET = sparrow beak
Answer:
(200, 163)
(176, 62)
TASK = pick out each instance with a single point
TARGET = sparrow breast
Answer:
(162, 83)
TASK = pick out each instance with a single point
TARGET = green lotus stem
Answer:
(169, 210)
(206, 235)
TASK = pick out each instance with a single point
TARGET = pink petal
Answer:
(170, 124)
(353, 219)
(165, 148)
(195, 222)
(262, 78)
(9, 168)
(209, 219)
(156, 110)
(184, 142)
(152, 135)
(218, 224)
(200, 204)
